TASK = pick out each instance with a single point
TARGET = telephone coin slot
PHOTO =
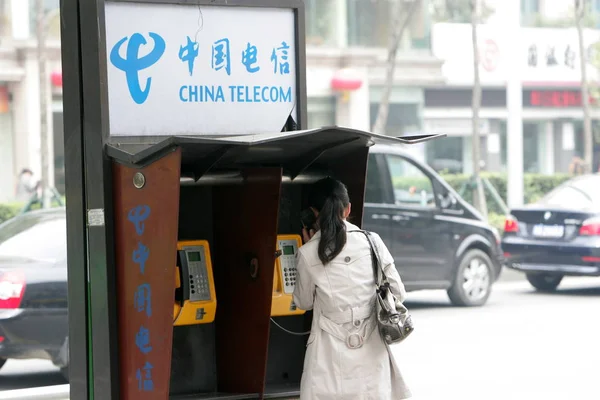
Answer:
(198, 274)
(195, 299)
(287, 262)
(284, 277)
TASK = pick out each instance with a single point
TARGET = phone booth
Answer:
(188, 163)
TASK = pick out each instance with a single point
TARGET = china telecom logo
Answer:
(132, 64)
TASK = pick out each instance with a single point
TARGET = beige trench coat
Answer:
(342, 297)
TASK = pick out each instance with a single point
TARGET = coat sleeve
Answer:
(387, 262)
(304, 291)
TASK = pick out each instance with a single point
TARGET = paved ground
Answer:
(523, 345)
(20, 374)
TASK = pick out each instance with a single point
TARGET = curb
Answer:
(56, 392)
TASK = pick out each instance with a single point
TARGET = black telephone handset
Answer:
(307, 217)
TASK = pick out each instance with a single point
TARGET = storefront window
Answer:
(503, 144)
(52, 8)
(7, 173)
(370, 23)
(322, 23)
(580, 143)
(579, 139)
(531, 162)
(446, 155)
(5, 20)
(403, 118)
(321, 112)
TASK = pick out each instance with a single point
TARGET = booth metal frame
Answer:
(97, 167)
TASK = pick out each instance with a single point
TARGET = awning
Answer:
(294, 151)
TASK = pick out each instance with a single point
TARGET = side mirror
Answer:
(447, 200)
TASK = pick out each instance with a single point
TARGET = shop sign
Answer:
(554, 98)
(546, 55)
(199, 69)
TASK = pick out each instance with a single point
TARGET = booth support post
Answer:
(98, 188)
(86, 131)
(78, 298)
(245, 226)
(146, 204)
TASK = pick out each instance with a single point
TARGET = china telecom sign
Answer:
(209, 70)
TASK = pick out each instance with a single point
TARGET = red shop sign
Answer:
(554, 98)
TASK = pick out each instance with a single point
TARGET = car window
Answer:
(374, 190)
(568, 195)
(412, 187)
(39, 237)
(589, 185)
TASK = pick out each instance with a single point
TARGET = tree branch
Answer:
(400, 25)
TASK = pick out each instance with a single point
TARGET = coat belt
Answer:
(332, 323)
(351, 315)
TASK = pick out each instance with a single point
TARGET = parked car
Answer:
(437, 239)
(33, 287)
(558, 235)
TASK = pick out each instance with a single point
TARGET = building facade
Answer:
(551, 80)
(346, 66)
(344, 37)
(350, 38)
(20, 141)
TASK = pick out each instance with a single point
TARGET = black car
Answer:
(437, 239)
(557, 236)
(33, 287)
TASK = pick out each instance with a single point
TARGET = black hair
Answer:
(330, 198)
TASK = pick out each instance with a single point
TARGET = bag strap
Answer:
(376, 259)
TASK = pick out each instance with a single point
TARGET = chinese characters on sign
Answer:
(569, 56)
(554, 98)
(189, 53)
(221, 57)
(221, 61)
(143, 296)
(174, 77)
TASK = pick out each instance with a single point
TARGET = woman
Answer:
(345, 355)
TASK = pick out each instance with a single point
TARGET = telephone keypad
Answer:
(288, 267)
(199, 283)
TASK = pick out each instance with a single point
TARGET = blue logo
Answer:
(132, 64)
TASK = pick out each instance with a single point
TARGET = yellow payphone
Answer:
(284, 278)
(195, 297)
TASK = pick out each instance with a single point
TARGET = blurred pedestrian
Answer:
(27, 185)
(346, 358)
(577, 166)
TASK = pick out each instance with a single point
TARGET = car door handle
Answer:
(400, 218)
(380, 216)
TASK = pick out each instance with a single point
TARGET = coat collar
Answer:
(349, 227)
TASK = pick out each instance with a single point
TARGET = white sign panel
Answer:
(193, 70)
(547, 55)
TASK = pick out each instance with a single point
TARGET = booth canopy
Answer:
(294, 151)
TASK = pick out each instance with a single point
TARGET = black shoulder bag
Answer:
(393, 320)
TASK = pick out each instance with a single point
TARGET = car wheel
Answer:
(544, 282)
(65, 372)
(473, 281)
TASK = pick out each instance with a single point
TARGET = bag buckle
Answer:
(395, 318)
(354, 341)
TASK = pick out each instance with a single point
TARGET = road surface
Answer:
(522, 345)
(21, 374)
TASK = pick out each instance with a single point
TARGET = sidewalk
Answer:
(57, 392)
(508, 279)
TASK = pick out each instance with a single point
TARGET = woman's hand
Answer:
(307, 234)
